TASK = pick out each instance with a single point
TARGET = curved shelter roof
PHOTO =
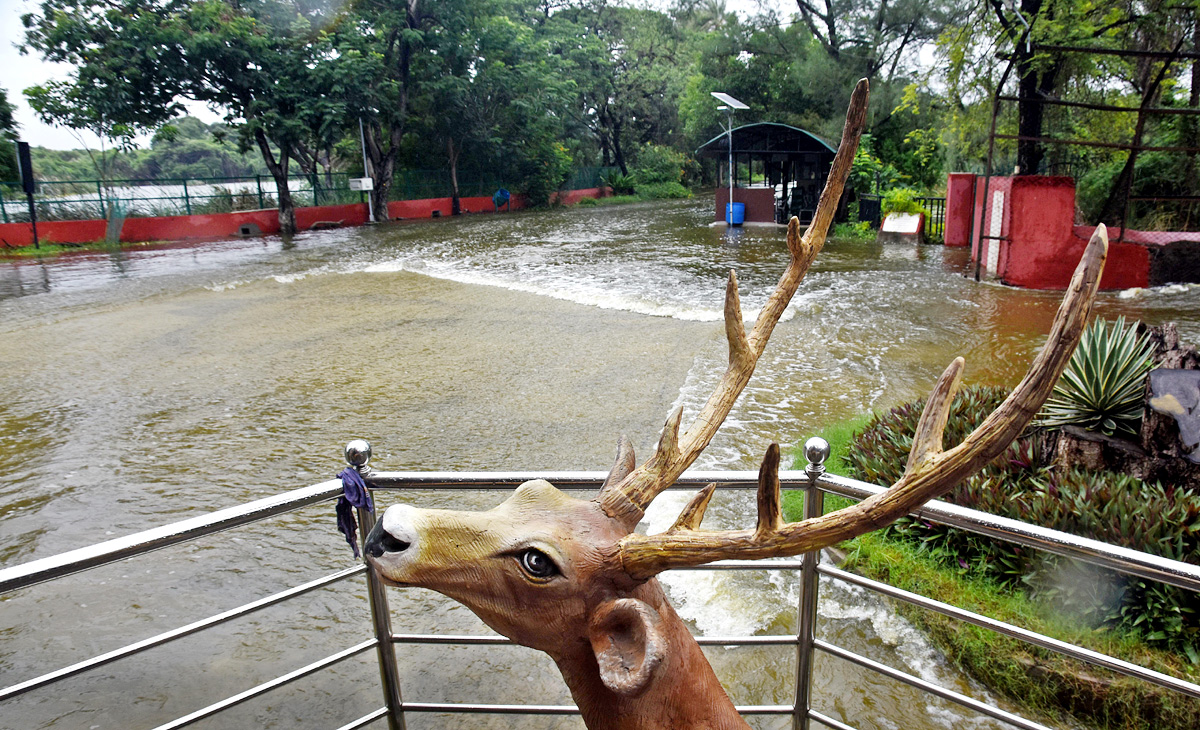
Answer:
(766, 138)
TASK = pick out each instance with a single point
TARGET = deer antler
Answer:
(628, 498)
(930, 472)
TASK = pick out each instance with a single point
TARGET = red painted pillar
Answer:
(960, 206)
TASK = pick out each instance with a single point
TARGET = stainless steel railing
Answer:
(813, 480)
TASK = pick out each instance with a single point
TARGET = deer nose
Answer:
(380, 541)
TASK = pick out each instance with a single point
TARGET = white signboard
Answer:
(362, 183)
(906, 223)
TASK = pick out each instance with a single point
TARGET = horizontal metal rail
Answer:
(828, 721)
(140, 543)
(265, 687)
(1016, 632)
(474, 708)
(1116, 558)
(1132, 562)
(497, 640)
(933, 689)
(139, 646)
(365, 719)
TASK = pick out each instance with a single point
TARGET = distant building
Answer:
(779, 171)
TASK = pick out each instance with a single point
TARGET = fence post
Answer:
(100, 196)
(187, 202)
(316, 191)
(3, 210)
(358, 456)
(258, 181)
(816, 450)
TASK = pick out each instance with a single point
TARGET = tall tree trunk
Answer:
(381, 165)
(279, 171)
(1032, 87)
(618, 153)
(452, 154)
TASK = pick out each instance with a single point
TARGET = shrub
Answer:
(659, 164)
(221, 201)
(1103, 384)
(1019, 484)
(588, 202)
(860, 231)
(620, 183)
(662, 191)
(903, 200)
(544, 169)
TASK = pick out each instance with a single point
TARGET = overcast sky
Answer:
(20, 72)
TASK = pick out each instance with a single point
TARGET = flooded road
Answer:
(143, 387)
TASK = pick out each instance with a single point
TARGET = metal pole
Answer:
(187, 202)
(33, 219)
(3, 210)
(729, 207)
(816, 450)
(258, 181)
(362, 138)
(358, 455)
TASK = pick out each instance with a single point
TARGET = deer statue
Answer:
(570, 577)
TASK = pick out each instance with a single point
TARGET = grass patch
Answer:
(613, 200)
(1039, 679)
(838, 435)
(860, 231)
(45, 250)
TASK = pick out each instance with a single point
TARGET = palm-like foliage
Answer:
(1103, 385)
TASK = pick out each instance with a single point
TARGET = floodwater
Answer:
(143, 387)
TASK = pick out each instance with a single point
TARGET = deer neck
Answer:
(684, 693)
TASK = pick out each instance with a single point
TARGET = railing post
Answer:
(187, 203)
(816, 451)
(3, 210)
(358, 455)
(258, 181)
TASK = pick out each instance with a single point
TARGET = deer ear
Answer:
(628, 643)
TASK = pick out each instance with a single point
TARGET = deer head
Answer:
(571, 577)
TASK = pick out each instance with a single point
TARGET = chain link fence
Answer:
(99, 199)
(95, 199)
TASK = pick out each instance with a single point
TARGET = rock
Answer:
(1095, 451)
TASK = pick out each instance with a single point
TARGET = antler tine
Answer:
(770, 512)
(693, 514)
(930, 471)
(630, 498)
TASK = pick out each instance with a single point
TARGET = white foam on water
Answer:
(655, 291)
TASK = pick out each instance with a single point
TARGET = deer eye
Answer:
(537, 564)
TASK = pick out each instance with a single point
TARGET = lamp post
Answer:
(728, 105)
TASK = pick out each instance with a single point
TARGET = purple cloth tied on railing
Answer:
(354, 494)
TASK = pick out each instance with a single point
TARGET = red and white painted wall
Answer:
(1022, 231)
(253, 222)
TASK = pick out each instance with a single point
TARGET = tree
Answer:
(875, 37)
(256, 59)
(8, 135)
(626, 66)
(490, 93)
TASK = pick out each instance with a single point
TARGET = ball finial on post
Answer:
(816, 451)
(358, 454)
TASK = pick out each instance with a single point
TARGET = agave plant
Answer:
(1102, 387)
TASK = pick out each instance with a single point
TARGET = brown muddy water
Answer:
(140, 388)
